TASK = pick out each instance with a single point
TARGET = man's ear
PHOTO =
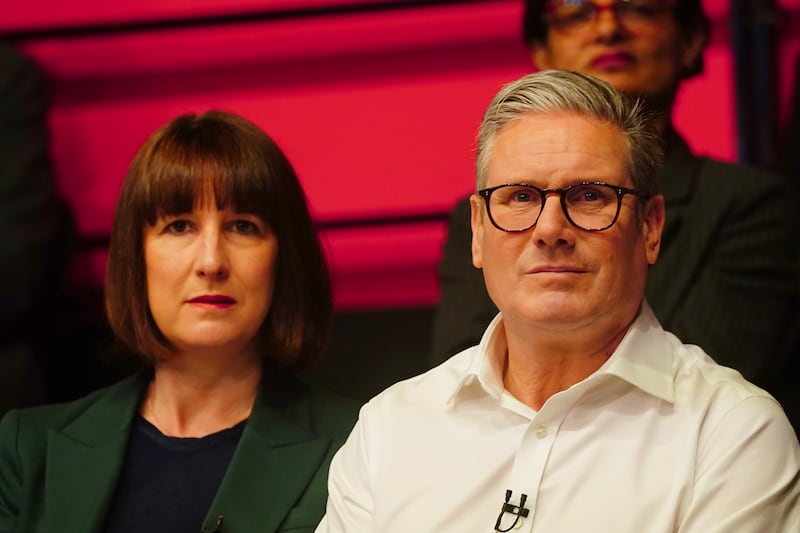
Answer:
(476, 222)
(652, 226)
(540, 56)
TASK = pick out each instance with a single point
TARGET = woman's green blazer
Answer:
(59, 464)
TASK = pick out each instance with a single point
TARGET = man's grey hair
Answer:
(562, 91)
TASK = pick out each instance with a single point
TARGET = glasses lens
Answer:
(591, 206)
(641, 11)
(515, 207)
(575, 15)
(571, 14)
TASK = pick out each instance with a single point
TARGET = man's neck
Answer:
(535, 371)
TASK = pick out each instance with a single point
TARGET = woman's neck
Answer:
(190, 399)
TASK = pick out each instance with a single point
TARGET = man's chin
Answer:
(558, 313)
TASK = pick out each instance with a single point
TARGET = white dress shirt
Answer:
(659, 439)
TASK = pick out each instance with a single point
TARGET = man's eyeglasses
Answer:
(590, 206)
(577, 15)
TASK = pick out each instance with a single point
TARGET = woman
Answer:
(216, 280)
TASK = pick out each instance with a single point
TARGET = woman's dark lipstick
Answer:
(613, 61)
(218, 300)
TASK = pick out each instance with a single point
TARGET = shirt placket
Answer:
(530, 463)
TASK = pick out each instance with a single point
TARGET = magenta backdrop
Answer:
(376, 108)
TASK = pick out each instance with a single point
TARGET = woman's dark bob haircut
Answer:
(224, 154)
(690, 20)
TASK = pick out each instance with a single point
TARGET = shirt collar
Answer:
(640, 359)
(485, 364)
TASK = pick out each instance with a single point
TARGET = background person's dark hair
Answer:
(689, 16)
(225, 155)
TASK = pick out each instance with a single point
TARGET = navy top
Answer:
(167, 484)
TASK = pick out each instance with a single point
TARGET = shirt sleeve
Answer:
(748, 473)
(351, 483)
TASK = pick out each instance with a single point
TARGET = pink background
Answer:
(376, 107)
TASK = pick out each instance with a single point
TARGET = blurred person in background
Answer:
(35, 232)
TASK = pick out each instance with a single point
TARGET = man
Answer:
(727, 276)
(577, 411)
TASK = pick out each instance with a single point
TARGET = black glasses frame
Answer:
(544, 193)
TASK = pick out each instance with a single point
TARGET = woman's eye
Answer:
(245, 227)
(178, 226)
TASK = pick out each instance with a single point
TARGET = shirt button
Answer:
(541, 431)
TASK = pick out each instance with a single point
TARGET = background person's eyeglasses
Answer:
(577, 15)
(590, 206)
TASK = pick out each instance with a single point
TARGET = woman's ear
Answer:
(692, 47)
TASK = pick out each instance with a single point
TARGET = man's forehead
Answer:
(543, 132)
(558, 139)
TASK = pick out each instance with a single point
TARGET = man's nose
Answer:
(553, 226)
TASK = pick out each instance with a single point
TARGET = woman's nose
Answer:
(607, 21)
(212, 257)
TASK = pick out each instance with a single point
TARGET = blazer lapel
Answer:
(84, 460)
(276, 458)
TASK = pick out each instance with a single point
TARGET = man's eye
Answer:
(590, 196)
(521, 197)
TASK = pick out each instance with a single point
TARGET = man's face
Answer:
(643, 59)
(556, 276)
